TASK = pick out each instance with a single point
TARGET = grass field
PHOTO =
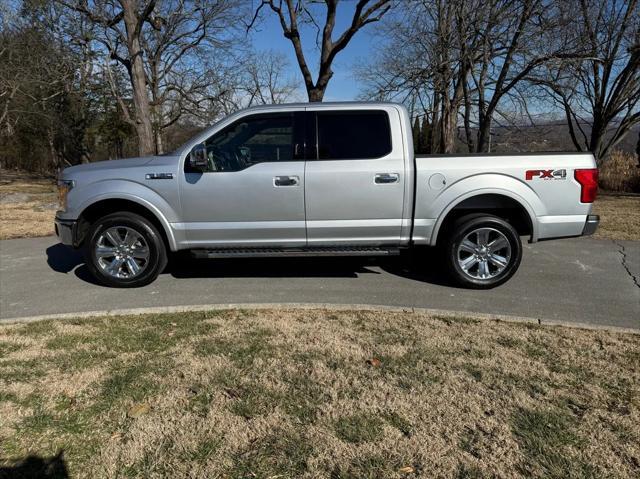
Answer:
(288, 394)
(619, 217)
(28, 205)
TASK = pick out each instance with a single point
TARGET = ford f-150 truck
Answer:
(321, 179)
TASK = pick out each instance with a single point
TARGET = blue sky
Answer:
(267, 35)
(343, 85)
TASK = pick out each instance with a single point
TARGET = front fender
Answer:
(83, 197)
(482, 184)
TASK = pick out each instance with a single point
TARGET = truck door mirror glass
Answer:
(198, 158)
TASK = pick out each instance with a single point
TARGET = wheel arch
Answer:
(103, 206)
(501, 203)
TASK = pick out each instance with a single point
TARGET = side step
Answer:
(293, 252)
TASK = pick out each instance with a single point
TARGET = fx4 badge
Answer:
(546, 174)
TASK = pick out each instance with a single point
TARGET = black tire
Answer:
(497, 228)
(151, 267)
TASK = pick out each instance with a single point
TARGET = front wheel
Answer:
(482, 251)
(125, 250)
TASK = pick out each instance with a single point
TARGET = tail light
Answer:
(588, 180)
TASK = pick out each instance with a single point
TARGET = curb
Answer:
(326, 306)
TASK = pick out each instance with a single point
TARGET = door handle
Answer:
(386, 178)
(286, 181)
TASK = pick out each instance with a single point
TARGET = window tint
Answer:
(251, 140)
(353, 135)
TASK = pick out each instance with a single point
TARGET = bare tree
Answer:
(600, 95)
(165, 47)
(292, 13)
(460, 60)
(263, 81)
(182, 59)
(434, 46)
(38, 99)
(405, 68)
(528, 38)
(122, 22)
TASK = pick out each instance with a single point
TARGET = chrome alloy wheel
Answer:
(122, 252)
(484, 253)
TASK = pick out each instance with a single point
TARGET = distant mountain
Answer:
(550, 136)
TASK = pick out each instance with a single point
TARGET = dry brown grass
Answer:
(27, 205)
(295, 394)
(619, 217)
(620, 173)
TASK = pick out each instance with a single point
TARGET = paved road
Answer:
(577, 280)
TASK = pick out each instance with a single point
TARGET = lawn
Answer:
(28, 205)
(619, 217)
(313, 393)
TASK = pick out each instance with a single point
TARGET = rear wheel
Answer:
(125, 250)
(482, 251)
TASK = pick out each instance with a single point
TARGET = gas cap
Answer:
(437, 181)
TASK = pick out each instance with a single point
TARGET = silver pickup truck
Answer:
(321, 179)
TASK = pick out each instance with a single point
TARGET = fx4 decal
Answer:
(546, 174)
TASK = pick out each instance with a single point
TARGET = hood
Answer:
(111, 169)
(108, 165)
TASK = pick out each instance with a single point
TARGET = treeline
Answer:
(466, 67)
(85, 80)
(90, 80)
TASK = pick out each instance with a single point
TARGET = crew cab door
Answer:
(252, 191)
(355, 184)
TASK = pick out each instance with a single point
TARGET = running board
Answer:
(292, 252)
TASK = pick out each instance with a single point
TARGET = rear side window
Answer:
(361, 135)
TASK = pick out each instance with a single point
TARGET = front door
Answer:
(354, 187)
(251, 194)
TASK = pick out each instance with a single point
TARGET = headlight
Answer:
(64, 186)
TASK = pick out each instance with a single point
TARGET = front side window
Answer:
(363, 134)
(251, 140)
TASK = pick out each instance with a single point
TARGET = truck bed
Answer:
(542, 183)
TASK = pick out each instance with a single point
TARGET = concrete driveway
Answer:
(575, 280)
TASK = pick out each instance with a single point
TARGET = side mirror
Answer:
(198, 158)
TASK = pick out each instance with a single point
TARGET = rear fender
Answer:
(479, 185)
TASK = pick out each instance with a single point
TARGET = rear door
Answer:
(355, 178)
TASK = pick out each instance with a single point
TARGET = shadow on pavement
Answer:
(36, 467)
(420, 265)
(63, 258)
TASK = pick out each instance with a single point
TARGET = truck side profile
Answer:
(321, 179)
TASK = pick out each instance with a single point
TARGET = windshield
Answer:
(197, 132)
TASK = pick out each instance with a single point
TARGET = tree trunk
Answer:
(449, 118)
(484, 134)
(364, 14)
(467, 120)
(137, 75)
(598, 131)
(52, 151)
(315, 94)
(158, 141)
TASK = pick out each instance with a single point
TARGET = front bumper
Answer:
(591, 225)
(66, 231)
